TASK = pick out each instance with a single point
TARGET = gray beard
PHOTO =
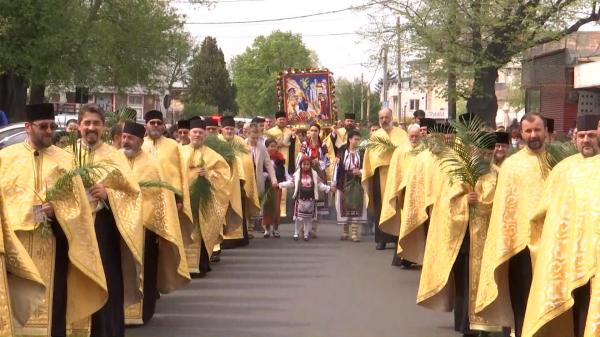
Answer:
(154, 134)
(130, 153)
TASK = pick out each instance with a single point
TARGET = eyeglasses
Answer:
(155, 123)
(46, 126)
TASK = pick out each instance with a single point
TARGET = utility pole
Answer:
(385, 75)
(399, 66)
(368, 107)
(353, 96)
(362, 98)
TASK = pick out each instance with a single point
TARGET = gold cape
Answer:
(423, 183)
(391, 203)
(375, 159)
(520, 185)
(25, 185)
(234, 214)
(283, 137)
(125, 202)
(172, 165)
(566, 258)
(242, 171)
(21, 284)
(248, 176)
(450, 219)
(218, 173)
(159, 214)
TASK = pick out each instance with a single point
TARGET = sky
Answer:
(333, 36)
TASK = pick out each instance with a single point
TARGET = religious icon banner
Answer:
(307, 96)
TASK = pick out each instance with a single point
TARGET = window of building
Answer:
(414, 104)
(532, 100)
(135, 100)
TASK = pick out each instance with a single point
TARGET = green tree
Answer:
(470, 40)
(349, 98)
(209, 81)
(90, 43)
(192, 109)
(255, 71)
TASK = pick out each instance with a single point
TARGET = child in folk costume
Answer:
(272, 196)
(316, 150)
(350, 201)
(306, 184)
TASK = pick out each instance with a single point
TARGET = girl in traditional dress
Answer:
(350, 201)
(272, 196)
(306, 184)
(316, 150)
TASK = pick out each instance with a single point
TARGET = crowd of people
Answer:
(96, 227)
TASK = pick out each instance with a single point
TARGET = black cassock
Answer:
(379, 235)
(110, 320)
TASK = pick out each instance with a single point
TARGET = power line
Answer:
(303, 35)
(279, 19)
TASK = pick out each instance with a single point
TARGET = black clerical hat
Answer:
(587, 122)
(280, 114)
(209, 121)
(350, 115)
(153, 114)
(227, 121)
(428, 122)
(502, 137)
(135, 129)
(183, 124)
(36, 112)
(197, 123)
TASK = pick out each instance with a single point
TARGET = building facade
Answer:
(549, 78)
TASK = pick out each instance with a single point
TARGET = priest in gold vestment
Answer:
(22, 288)
(511, 242)
(375, 171)
(165, 266)
(244, 198)
(167, 152)
(401, 162)
(565, 299)
(289, 146)
(455, 242)
(339, 137)
(201, 161)
(55, 229)
(116, 204)
(423, 183)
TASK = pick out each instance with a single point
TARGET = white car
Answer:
(11, 129)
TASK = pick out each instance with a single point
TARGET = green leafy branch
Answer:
(380, 144)
(202, 194)
(267, 199)
(227, 150)
(146, 184)
(556, 152)
(464, 159)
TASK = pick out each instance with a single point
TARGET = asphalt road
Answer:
(278, 287)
